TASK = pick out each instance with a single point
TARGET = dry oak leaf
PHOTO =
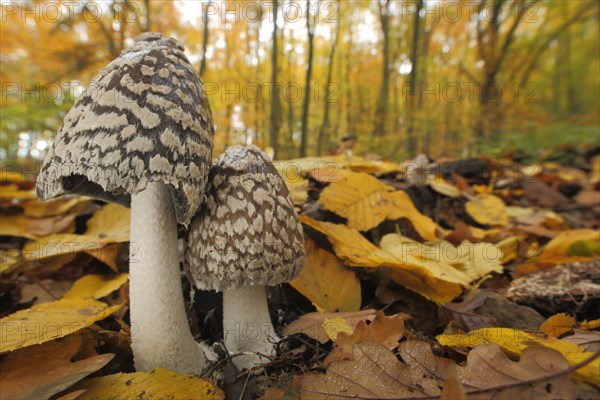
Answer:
(311, 324)
(156, 384)
(385, 330)
(376, 373)
(33, 228)
(588, 340)
(373, 373)
(487, 209)
(326, 282)
(540, 373)
(95, 286)
(558, 324)
(49, 321)
(39, 372)
(514, 342)
(439, 283)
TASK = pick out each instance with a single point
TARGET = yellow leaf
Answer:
(514, 342)
(438, 282)
(509, 248)
(326, 282)
(14, 193)
(9, 259)
(487, 209)
(560, 245)
(111, 223)
(156, 384)
(38, 209)
(95, 286)
(360, 198)
(108, 225)
(54, 245)
(443, 187)
(403, 207)
(590, 325)
(333, 326)
(558, 324)
(49, 321)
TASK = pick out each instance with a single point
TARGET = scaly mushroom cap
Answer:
(247, 231)
(144, 118)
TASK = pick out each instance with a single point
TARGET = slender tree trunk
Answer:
(148, 26)
(204, 37)
(411, 141)
(291, 119)
(274, 95)
(309, 68)
(324, 129)
(382, 102)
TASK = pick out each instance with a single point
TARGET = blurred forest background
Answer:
(409, 76)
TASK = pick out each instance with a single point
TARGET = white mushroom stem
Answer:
(247, 326)
(160, 333)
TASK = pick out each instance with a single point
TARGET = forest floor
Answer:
(452, 279)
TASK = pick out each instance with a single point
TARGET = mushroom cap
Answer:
(144, 118)
(247, 231)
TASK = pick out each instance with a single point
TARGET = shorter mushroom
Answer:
(246, 236)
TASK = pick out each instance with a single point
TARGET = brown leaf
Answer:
(453, 389)
(588, 340)
(311, 324)
(385, 330)
(374, 373)
(44, 370)
(537, 375)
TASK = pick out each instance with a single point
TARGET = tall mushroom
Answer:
(142, 135)
(247, 235)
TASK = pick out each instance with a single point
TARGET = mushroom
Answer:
(247, 235)
(142, 135)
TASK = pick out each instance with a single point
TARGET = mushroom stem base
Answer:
(160, 334)
(247, 325)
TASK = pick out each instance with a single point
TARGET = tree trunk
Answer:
(274, 95)
(411, 142)
(306, 103)
(382, 102)
(324, 129)
(204, 37)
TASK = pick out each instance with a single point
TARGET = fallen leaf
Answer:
(453, 389)
(311, 324)
(326, 282)
(385, 330)
(435, 281)
(443, 187)
(403, 207)
(558, 325)
(590, 325)
(360, 198)
(9, 259)
(108, 225)
(39, 209)
(589, 341)
(43, 370)
(95, 286)
(487, 209)
(49, 321)
(374, 372)
(156, 384)
(334, 326)
(561, 245)
(514, 342)
(32, 228)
